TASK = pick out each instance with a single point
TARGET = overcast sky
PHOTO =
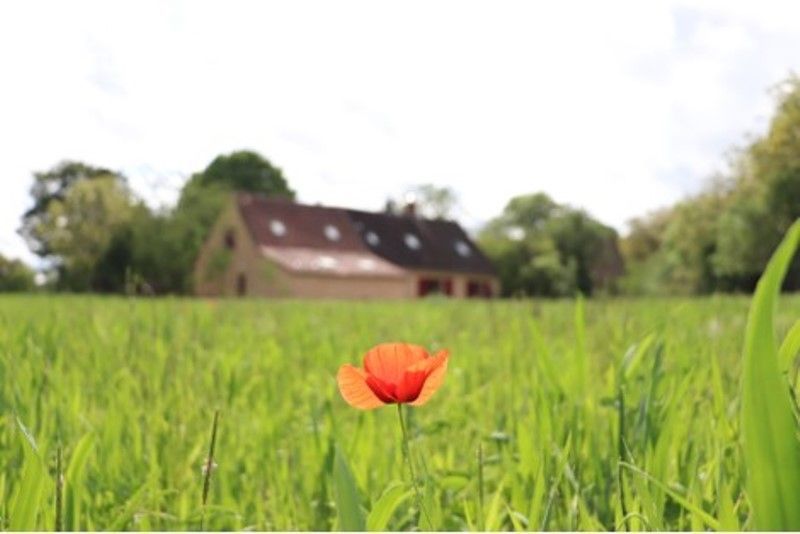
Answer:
(615, 107)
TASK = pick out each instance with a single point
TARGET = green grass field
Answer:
(131, 386)
(554, 415)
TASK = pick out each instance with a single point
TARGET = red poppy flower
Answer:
(394, 373)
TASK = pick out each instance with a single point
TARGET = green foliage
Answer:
(75, 486)
(542, 248)
(15, 276)
(142, 376)
(345, 493)
(771, 447)
(383, 509)
(99, 237)
(243, 170)
(79, 227)
(25, 506)
(185, 229)
(722, 238)
(49, 186)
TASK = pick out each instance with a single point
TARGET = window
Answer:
(412, 242)
(479, 288)
(434, 286)
(463, 249)
(277, 227)
(332, 233)
(230, 239)
(372, 239)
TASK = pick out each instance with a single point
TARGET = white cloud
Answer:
(617, 107)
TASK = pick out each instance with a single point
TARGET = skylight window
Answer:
(332, 233)
(277, 227)
(412, 242)
(463, 249)
(373, 239)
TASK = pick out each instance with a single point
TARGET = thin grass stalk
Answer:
(410, 463)
(482, 518)
(208, 467)
(621, 455)
(59, 525)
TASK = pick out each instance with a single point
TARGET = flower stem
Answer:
(410, 462)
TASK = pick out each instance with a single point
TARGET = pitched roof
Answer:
(282, 223)
(405, 241)
(417, 243)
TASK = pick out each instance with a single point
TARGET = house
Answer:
(272, 247)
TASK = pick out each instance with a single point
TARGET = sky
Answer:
(616, 107)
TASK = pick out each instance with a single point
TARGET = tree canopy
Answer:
(544, 248)
(15, 276)
(721, 238)
(51, 186)
(99, 237)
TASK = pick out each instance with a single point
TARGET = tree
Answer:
(15, 276)
(722, 238)
(182, 232)
(79, 227)
(543, 248)
(243, 170)
(766, 196)
(50, 186)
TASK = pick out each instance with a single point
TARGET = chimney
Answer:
(410, 207)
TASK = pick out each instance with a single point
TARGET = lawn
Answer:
(524, 434)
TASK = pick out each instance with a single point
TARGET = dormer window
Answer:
(332, 233)
(412, 241)
(462, 249)
(230, 239)
(373, 239)
(277, 227)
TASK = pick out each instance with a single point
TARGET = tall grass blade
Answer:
(790, 347)
(704, 516)
(345, 493)
(73, 483)
(59, 525)
(25, 506)
(381, 513)
(124, 517)
(580, 345)
(771, 448)
(208, 467)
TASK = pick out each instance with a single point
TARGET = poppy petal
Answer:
(354, 389)
(436, 368)
(388, 361)
(430, 363)
(411, 385)
(385, 392)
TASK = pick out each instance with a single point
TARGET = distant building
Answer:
(276, 248)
